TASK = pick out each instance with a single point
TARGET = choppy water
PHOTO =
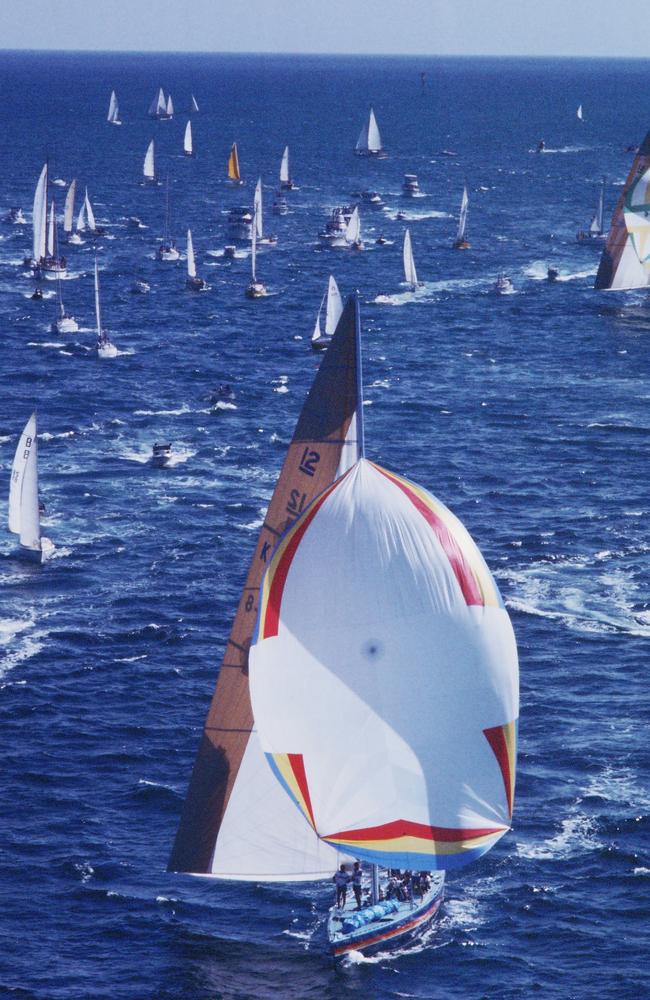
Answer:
(527, 414)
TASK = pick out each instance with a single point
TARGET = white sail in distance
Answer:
(90, 215)
(68, 209)
(194, 105)
(187, 140)
(462, 219)
(51, 231)
(39, 217)
(334, 306)
(410, 274)
(149, 169)
(353, 229)
(113, 109)
(579, 114)
(191, 263)
(170, 106)
(284, 167)
(369, 140)
(24, 518)
(257, 207)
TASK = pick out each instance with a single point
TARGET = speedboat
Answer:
(400, 216)
(410, 187)
(161, 455)
(240, 223)
(503, 285)
(136, 223)
(280, 205)
(335, 227)
(381, 240)
(168, 251)
(140, 287)
(37, 294)
(371, 198)
(224, 393)
(15, 217)
(447, 152)
(230, 251)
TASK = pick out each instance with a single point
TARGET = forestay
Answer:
(388, 713)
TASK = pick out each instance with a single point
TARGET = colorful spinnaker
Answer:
(389, 714)
(625, 262)
(237, 822)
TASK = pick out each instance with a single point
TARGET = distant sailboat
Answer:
(286, 183)
(170, 107)
(193, 281)
(625, 262)
(595, 231)
(24, 513)
(44, 260)
(68, 215)
(105, 347)
(149, 168)
(193, 104)
(333, 308)
(63, 323)
(188, 148)
(579, 114)
(113, 116)
(369, 141)
(168, 249)
(410, 274)
(353, 230)
(461, 243)
(234, 174)
(258, 215)
(159, 105)
(91, 225)
(255, 288)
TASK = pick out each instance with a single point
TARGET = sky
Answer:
(401, 27)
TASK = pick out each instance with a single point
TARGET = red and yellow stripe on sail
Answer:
(289, 769)
(404, 837)
(503, 740)
(473, 576)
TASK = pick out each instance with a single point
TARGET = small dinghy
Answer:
(193, 282)
(37, 295)
(24, 508)
(161, 455)
(140, 287)
(461, 242)
(371, 198)
(14, 217)
(230, 251)
(552, 274)
(105, 347)
(333, 303)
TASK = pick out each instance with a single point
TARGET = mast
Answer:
(254, 247)
(247, 828)
(100, 335)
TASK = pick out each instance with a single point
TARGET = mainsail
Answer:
(410, 274)
(149, 167)
(284, 167)
(113, 110)
(596, 226)
(24, 517)
(68, 208)
(462, 219)
(191, 263)
(158, 106)
(39, 217)
(90, 215)
(625, 262)
(393, 731)
(353, 229)
(187, 140)
(333, 311)
(233, 164)
(236, 821)
(257, 210)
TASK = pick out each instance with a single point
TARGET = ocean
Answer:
(527, 414)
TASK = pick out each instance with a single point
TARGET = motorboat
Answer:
(240, 224)
(280, 205)
(140, 287)
(230, 251)
(410, 186)
(371, 198)
(14, 217)
(161, 455)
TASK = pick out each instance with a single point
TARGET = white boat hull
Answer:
(66, 325)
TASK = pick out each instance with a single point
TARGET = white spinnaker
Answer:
(334, 306)
(39, 216)
(149, 169)
(68, 208)
(113, 110)
(191, 263)
(388, 709)
(51, 231)
(187, 140)
(410, 274)
(374, 138)
(257, 205)
(23, 488)
(353, 230)
(284, 167)
(90, 215)
(462, 219)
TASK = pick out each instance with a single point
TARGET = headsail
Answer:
(90, 215)
(81, 218)
(233, 164)
(24, 517)
(334, 307)
(39, 217)
(187, 140)
(68, 209)
(579, 114)
(169, 110)
(149, 167)
(410, 274)
(408, 768)
(236, 821)
(191, 263)
(625, 262)
(257, 210)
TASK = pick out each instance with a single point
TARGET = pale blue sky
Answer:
(430, 27)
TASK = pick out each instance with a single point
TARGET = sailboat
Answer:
(193, 104)
(234, 174)
(167, 249)
(170, 106)
(595, 231)
(68, 215)
(461, 243)
(159, 106)
(369, 141)
(62, 323)
(333, 303)
(579, 114)
(410, 274)
(45, 262)
(149, 166)
(625, 261)
(255, 289)
(391, 735)
(113, 116)
(105, 347)
(90, 223)
(286, 183)
(188, 149)
(353, 231)
(24, 512)
(258, 215)
(193, 282)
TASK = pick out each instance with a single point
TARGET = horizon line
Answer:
(325, 55)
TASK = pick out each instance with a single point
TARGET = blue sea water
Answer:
(527, 414)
